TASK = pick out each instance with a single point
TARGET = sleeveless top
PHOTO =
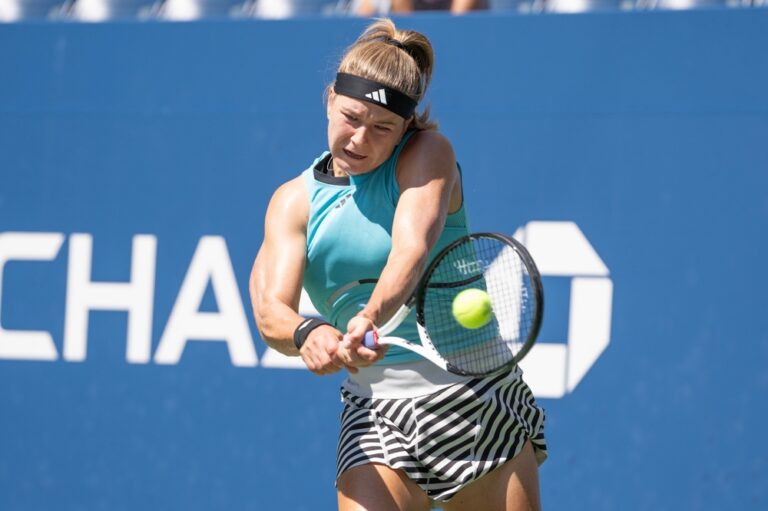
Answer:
(349, 238)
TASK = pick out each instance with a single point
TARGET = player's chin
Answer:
(357, 165)
(356, 168)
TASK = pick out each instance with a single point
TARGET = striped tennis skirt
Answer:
(445, 440)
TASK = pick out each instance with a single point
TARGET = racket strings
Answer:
(493, 266)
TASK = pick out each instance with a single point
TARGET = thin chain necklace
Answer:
(329, 169)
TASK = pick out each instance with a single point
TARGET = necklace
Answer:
(329, 169)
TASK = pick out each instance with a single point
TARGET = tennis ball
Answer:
(472, 308)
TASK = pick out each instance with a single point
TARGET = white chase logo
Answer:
(560, 249)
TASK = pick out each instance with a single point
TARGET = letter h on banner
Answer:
(136, 297)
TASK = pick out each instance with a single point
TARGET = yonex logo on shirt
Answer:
(378, 95)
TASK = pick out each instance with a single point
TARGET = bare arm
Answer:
(428, 178)
(276, 277)
(276, 280)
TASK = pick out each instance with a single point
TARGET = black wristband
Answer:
(302, 331)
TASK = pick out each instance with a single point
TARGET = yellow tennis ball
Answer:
(472, 308)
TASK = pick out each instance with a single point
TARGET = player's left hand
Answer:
(351, 351)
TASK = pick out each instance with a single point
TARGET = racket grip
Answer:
(371, 340)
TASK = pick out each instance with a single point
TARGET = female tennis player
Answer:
(356, 230)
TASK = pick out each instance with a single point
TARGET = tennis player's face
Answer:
(361, 135)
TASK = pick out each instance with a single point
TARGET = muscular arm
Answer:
(427, 176)
(276, 277)
(275, 286)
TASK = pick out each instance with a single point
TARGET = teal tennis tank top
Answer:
(349, 238)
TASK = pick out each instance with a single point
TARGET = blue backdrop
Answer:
(639, 137)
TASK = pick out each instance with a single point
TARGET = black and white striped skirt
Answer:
(445, 440)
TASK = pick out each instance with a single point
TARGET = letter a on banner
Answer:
(211, 261)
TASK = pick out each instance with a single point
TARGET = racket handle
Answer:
(371, 339)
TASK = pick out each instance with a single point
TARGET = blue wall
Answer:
(648, 131)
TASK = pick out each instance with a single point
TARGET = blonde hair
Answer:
(407, 69)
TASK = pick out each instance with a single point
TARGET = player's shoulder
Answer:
(290, 200)
(291, 191)
(427, 141)
(427, 149)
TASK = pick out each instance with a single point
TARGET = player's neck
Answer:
(331, 169)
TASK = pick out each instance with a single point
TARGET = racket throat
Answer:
(455, 370)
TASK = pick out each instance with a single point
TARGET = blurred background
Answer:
(140, 140)
(186, 10)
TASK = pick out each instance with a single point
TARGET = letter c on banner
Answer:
(27, 246)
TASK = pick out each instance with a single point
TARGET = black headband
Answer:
(376, 93)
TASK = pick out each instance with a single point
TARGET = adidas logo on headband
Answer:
(378, 95)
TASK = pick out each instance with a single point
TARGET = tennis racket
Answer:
(494, 263)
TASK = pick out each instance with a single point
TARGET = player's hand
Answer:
(319, 351)
(351, 351)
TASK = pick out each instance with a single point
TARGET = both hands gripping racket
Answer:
(494, 263)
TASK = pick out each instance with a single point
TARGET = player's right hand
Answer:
(352, 351)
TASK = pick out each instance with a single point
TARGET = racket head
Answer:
(503, 268)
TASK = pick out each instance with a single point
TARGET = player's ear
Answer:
(329, 102)
(406, 125)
